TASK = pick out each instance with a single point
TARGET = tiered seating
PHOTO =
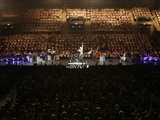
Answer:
(20, 43)
(76, 13)
(70, 43)
(116, 23)
(110, 20)
(141, 12)
(39, 20)
(1, 45)
(10, 15)
(66, 44)
(131, 43)
(108, 44)
(156, 41)
(157, 16)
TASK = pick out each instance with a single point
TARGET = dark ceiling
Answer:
(23, 4)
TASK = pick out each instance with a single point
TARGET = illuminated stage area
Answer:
(77, 65)
(86, 63)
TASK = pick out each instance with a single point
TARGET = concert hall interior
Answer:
(79, 59)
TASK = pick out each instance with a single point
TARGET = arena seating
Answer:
(108, 43)
(139, 12)
(98, 93)
(10, 14)
(157, 16)
(76, 13)
(110, 20)
(40, 20)
(111, 31)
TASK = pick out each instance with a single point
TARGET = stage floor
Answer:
(66, 62)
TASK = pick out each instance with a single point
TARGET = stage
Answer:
(71, 63)
(67, 62)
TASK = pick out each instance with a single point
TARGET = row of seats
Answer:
(10, 14)
(141, 12)
(156, 41)
(27, 42)
(110, 20)
(157, 15)
(40, 20)
(101, 19)
(66, 44)
(75, 12)
(42, 16)
(36, 20)
(43, 27)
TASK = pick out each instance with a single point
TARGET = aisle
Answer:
(11, 96)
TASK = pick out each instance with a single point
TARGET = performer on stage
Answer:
(123, 58)
(91, 55)
(42, 56)
(81, 53)
(29, 57)
(97, 54)
(52, 52)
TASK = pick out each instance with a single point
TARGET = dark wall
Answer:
(156, 4)
(23, 4)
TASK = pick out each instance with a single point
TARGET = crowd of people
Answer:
(110, 20)
(157, 16)
(95, 93)
(141, 12)
(109, 45)
(40, 20)
(39, 29)
(76, 13)
(106, 19)
(35, 20)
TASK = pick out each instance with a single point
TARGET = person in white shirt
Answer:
(81, 53)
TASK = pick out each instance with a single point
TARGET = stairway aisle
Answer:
(65, 26)
(87, 27)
